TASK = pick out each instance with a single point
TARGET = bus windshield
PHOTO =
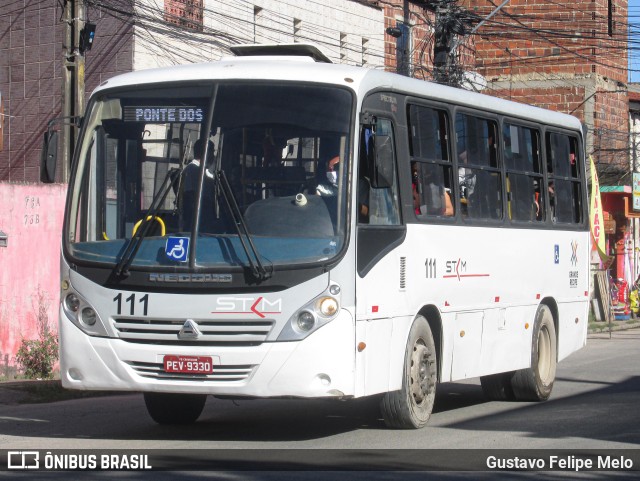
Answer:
(277, 148)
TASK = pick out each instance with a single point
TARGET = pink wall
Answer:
(31, 216)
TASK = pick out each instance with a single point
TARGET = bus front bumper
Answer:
(321, 365)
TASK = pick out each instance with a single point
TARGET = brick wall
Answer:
(421, 45)
(561, 55)
(552, 37)
(31, 42)
(29, 81)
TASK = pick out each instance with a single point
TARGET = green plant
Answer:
(38, 356)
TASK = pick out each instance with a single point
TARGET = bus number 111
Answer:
(132, 303)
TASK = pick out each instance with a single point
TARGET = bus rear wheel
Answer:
(169, 408)
(411, 406)
(536, 382)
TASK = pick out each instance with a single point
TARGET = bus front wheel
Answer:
(169, 408)
(536, 382)
(411, 406)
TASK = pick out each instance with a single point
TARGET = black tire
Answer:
(166, 408)
(411, 406)
(497, 387)
(536, 382)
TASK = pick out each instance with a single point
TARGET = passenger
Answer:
(364, 191)
(466, 177)
(551, 190)
(330, 185)
(436, 198)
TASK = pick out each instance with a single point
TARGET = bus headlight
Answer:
(89, 316)
(306, 320)
(83, 315)
(72, 302)
(313, 315)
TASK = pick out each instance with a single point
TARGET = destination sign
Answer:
(163, 114)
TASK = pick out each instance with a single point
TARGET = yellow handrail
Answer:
(151, 217)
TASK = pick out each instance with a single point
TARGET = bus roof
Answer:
(362, 80)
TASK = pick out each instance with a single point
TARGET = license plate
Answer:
(188, 364)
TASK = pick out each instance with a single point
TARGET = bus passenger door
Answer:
(380, 235)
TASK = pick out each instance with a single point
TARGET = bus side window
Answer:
(431, 169)
(479, 177)
(378, 203)
(524, 173)
(564, 185)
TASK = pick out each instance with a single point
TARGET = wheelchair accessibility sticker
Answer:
(177, 248)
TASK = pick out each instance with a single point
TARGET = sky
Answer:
(634, 40)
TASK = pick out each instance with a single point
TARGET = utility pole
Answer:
(450, 27)
(445, 61)
(72, 80)
(402, 33)
(404, 67)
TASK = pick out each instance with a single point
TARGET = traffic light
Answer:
(87, 35)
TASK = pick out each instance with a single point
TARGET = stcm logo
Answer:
(247, 305)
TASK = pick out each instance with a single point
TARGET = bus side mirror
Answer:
(382, 168)
(49, 157)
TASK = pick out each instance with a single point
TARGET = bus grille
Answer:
(223, 332)
(220, 373)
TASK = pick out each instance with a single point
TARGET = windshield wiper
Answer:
(131, 249)
(255, 264)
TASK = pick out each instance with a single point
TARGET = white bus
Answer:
(342, 233)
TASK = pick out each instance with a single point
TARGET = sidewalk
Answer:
(599, 327)
(32, 391)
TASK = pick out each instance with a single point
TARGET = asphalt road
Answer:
(595, 405)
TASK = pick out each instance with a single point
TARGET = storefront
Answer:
(621, 239)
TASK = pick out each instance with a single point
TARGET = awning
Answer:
(615, 189)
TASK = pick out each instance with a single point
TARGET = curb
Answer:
(605, 328)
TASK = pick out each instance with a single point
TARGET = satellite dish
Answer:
(473, 81)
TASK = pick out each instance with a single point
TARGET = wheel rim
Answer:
(419, 373)
(544, 355)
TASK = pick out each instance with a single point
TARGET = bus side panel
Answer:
(372, 362)
(504, 338)
(467, 342)
(383, 324)
(572, 328)
(380, 364)
(574, 316)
